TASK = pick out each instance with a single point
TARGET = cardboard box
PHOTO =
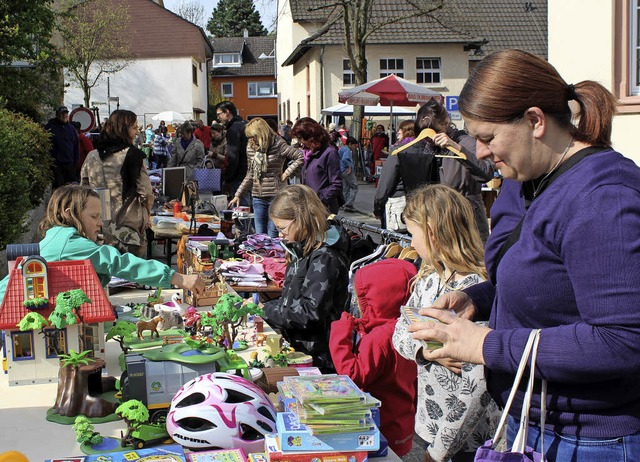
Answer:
(294, 436)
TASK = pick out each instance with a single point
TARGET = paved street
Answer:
(363, 204)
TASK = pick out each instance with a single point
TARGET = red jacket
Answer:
(204, 134)
(372, 363)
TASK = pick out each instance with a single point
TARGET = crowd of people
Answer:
(562, 254)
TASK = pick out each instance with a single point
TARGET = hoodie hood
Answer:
(335, 237)
(382, 287)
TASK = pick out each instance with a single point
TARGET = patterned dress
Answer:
(455, 413)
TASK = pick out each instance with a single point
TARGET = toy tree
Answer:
(134, 413)
(120, 331)
(228, 313)
(35, 321)
(80, 385)
(67, 311)
(85, 431)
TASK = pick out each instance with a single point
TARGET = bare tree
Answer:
(96, 41)
(358, 21)
(191, 10)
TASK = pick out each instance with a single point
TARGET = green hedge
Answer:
(25, 174)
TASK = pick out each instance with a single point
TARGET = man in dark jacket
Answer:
(236, 170)
(64, 148)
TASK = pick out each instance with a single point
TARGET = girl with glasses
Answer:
(315, 285)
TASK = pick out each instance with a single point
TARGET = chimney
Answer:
(245, 33)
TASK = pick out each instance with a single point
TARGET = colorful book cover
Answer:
(220, 455)
(331, 429)
(294, 436)
(324, 389)
(275, 454)
(165, 453)
(411, 315)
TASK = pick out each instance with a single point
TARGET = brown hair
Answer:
(73, 197)
(433, 115)
(311, 131)
(507, 83)
(457, 242)
(408, 129)
(116, 130)
(301, 204)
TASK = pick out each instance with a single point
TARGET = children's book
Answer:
(411, 315)
(295, 436)
(324, 389)
(217, 455)
(164, 453)
(276, 454)
(368, 403)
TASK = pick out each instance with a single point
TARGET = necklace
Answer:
(544, 179)
(446, 283)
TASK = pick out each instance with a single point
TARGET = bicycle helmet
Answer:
(221, 411)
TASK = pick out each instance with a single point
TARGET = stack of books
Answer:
(325, 413)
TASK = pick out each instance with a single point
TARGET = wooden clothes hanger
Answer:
(430, 133)
(408, 253)
(393, 249)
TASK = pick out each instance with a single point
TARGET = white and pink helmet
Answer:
(223, 411)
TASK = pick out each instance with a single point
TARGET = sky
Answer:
(266, 8)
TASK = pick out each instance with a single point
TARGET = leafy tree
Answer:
(134, 413)
(32, 321)
(358, 24)
(231, 17)
(227, 315)
(67, 311)
(120, 331)
(96, 41)
(26, 171)
(26, 28)
(85, 431)
(191, 10)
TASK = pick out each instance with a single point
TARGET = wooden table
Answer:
(270, 292)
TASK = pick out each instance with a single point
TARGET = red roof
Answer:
(62, 276)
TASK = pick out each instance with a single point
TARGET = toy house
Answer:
(31, 356)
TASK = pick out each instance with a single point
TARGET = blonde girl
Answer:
(315, 283)
(71, 226)
(455, 413)
(267, 154)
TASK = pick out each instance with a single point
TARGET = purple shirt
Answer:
(575, 273)
(321, 172)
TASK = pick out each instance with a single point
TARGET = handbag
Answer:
(209, 179)
(393, 213)
(519, 452)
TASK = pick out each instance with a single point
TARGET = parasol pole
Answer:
(390, 122)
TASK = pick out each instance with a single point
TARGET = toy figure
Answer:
(148, 325)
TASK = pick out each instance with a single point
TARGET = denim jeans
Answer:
(349, 188)
(263, 223)
(569, 448)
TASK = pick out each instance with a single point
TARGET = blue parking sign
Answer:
(451, 103)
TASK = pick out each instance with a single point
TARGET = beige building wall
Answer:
(585, 48)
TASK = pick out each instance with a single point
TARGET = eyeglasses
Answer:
(283, 230)
(219, 113)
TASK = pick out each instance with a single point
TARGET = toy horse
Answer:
(148, 325)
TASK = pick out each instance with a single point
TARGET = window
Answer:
(22, 345)
(55, 342)
(634, 49)
(428, 70)
(34, 274)
(262, 89)
(348, 77)
(194, 74)
(390, 66)
(227, 89)
(226, 59)
(626, 59)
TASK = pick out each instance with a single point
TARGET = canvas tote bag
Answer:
(519, 452)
